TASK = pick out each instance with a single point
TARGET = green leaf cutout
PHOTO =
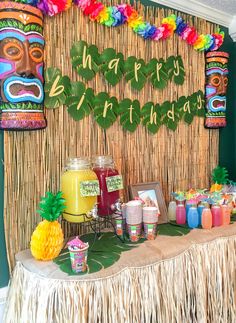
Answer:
(57, 88)
(129, 114)
(85, 59)
(170, 115)
(175, 69)
(112, 65)
(198, 101)
(106, 251)
(80, 102)
(151, 116)
(135, 70)
(105, 110)
(159, 73)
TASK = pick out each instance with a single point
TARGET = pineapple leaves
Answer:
(85, 59)
(80, 102)
(135, 70)
(51, 206)
(112, 65)
(57, 88)
(129, 112)
(105, 110)
(220, 175)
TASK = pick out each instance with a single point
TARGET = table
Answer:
(184, 279)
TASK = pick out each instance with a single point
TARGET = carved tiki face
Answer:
(21, 67)
(216, 86)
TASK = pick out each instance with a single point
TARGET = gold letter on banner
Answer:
(186, 106)
(114, 64)
(56, 90)
(176, 66)
(131, 113)
(136, 68)
(171, 114)
(106, 107)
(81, 101)
(153, 116)
(87, 60)
(158, 67)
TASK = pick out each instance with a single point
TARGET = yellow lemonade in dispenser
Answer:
(80, 187)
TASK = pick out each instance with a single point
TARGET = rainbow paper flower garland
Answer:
(113, 16)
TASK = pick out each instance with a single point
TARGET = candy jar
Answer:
(110, 183)
(193, 217)
(180, 213)
(80, 187)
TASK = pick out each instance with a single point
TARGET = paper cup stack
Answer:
(134, 214)
(78, 255)
(150, 219)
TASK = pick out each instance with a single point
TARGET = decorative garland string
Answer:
(113, 16)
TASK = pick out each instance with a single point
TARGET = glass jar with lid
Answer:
(110, 183)
(80, 187)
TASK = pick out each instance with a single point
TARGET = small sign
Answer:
(114, 183)
(89, 188)
(133, 230)
(150, 228)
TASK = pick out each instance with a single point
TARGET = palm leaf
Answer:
(105, 252)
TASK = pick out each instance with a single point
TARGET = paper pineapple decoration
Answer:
(219, 178)
(47, 239)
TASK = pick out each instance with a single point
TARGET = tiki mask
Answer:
(216, 86)
(21, 67)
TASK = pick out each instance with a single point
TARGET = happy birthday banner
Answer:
(82, 101)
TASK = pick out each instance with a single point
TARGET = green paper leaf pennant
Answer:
(57, 88)
(198, 101)
(85, 59)
(151, 116)
(159, 73)
(112, 65)
(105, 110)
(80, 102)
(129, 114)
(135, 70)
(175, 69)
(170, 115)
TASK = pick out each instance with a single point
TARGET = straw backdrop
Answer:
(34, 161)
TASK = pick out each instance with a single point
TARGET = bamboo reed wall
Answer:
(179, 160)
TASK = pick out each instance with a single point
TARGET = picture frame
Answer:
(152, 194)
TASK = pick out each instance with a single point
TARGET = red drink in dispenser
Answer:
(109, 180)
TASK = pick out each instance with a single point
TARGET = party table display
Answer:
(205, 208)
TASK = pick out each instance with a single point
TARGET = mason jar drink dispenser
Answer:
(80, 188)
(110, 183)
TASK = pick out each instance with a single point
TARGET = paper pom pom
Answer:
(53, 7)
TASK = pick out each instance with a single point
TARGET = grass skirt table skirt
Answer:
(172, 279)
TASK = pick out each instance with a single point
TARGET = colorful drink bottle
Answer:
(225, 213)
(193, 217)
(180, 214)
(110, 183)
(216, 216)
(200, 208)
(206, 218)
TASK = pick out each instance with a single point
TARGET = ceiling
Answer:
(222, 12)
(227, 6)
